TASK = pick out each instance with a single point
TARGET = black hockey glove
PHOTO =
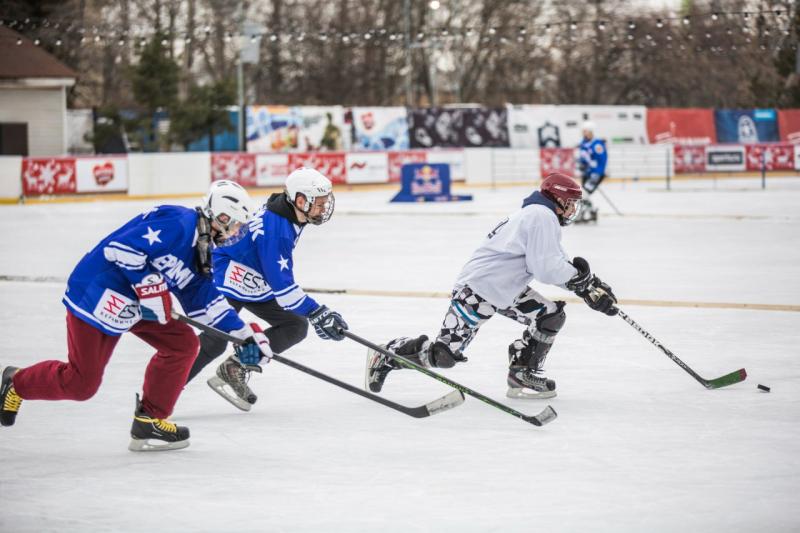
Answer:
(328, 324)
(599, 297)
(580, 281)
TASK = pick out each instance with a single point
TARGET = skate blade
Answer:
(156, 445)
(227, 392)
(522, 394)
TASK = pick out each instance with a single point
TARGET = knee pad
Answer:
(549, 324)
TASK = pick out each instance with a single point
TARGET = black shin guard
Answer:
(532, 349)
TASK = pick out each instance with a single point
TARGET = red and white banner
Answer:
(56, 175)
(234, 166)
(271, 169)
(101, 174)
(684, 126)
(402, 157)
(557, 160)
(789, 125)
(770, 156)
(689, 159)
(331, 164)
(367, 167)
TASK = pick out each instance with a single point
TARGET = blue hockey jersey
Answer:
(592, 157)
(100, 289)
(259, 267)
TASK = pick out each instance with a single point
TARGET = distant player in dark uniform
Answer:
(525, 246)
(257, 273)
(125, 284)
(592, 160)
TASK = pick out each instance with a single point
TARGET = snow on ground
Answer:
(638, 444)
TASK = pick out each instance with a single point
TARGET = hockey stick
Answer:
(546, 416)
(610, 202)
(723, 381)
(448, 401)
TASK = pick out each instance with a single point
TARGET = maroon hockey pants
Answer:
(89, 351)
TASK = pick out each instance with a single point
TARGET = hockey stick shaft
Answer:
(547, 415)
(609, 201)
(441, 404)
(723, 381)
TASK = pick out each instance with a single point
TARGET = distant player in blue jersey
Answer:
(124, 284)
(592, 161)
(257, 273)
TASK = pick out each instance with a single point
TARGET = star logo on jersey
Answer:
(284, 263)
(151, 236)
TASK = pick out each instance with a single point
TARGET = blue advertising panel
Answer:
(427, 182)
(745, 126)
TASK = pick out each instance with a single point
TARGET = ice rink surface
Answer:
(638, 444)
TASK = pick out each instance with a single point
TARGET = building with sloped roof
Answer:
(33, 98)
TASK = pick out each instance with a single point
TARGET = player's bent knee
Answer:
(83, 389)
(551, 323)
(211, 347)
(299, 329)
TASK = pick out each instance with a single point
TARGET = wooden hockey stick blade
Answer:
(439, 405)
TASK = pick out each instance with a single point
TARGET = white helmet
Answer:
(226, 204)
(311, 184)
(588, 125)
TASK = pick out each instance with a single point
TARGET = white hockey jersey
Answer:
(523, 247)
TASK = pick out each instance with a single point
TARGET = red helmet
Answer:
(557, 186)
(566, 193)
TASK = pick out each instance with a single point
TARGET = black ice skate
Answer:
(150, 434)
(378, 368)
(231, 383)
(10, 401)
(525, 383)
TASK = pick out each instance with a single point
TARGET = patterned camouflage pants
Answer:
(468, 312)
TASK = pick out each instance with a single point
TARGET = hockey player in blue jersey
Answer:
(125, 284)
(592, 159)
(257, 273)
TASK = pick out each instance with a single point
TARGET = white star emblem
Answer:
(284, 263)
(151, 236)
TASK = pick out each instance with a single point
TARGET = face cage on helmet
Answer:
(224, 236)
(567, 220)
(325, 215)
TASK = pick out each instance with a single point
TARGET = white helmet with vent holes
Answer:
(312, 184)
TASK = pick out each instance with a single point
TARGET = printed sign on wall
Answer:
(746, 126)
(681, 126)
(237, 167)
(367, 167)
(730, 158)
(557, 160)
(101, 174)
(332, 165)
(48, 176)
(380, 128)
(689, 158)
(770, 156)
